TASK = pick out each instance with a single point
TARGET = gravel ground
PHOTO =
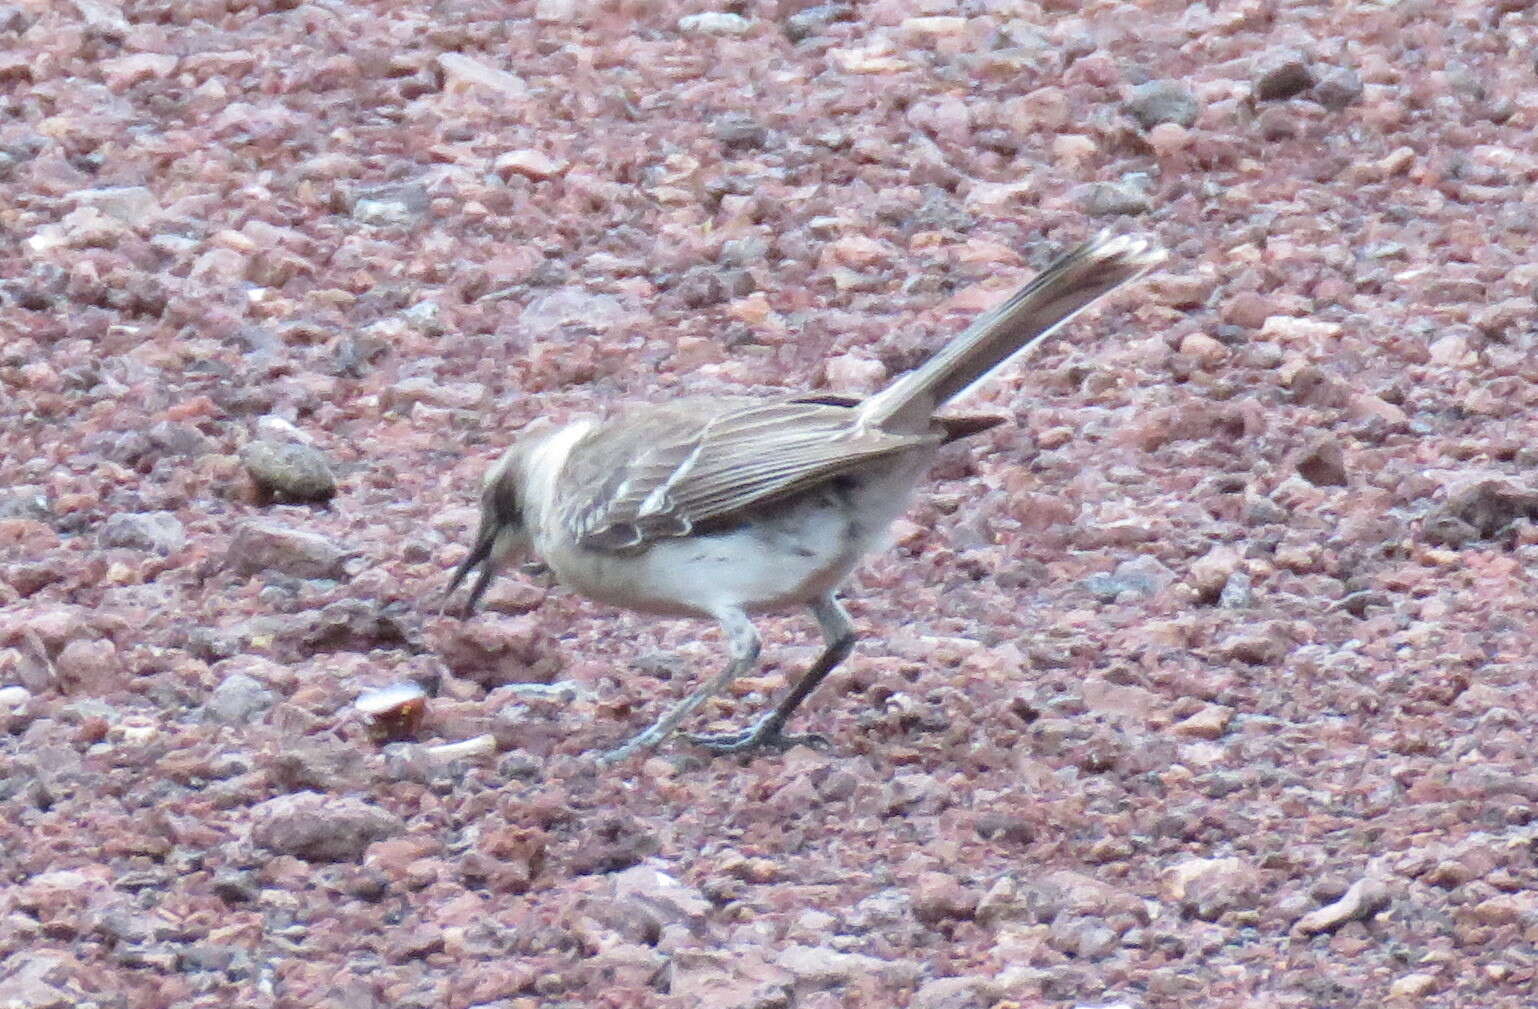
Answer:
(1208, 682)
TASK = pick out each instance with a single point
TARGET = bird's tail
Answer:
(1066, 287)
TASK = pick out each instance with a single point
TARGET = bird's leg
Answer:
(838, 632)
(743, 641)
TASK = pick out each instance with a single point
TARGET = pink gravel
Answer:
(1208, 682)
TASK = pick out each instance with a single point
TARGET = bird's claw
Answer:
(755, 737)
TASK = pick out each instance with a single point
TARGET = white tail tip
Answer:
(1139, 254)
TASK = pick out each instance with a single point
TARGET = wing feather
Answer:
(660, 471)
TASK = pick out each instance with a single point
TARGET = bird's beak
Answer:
(480, 556)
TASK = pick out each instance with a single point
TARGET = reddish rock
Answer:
(1211, 572)
(1323, 464)
(1247, 309)
(497, 652)
(938, 896)
(321, 828)
(268, 546)
(90, 667)
(647, 891)
(1208, 723)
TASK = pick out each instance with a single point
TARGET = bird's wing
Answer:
(662, 471)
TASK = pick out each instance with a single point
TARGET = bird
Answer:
(724, 507)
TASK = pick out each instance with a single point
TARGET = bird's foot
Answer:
(619, 753)
(765, 735)
(644, 741)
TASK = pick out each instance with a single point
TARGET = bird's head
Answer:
(502, 535)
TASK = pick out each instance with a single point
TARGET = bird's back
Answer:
(660, 471)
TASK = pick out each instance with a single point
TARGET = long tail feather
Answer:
(1062, 290)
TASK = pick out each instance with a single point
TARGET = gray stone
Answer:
(289, 470)
(559, 11)
(209, 956)
(133, 205)
(24, 501)
(1041, 899)
(714, 23)
(176, 439)
(1142, 576)
(1479, 505)
(1162, 102)
(154, 532)
(1282, 74)
(824, 967)
(738, 130)
(570, 306)
(975, 992)
(1109, 199)
(1208, 888)
(1237, 593)
(1337, 88)
(38, 980)
(812, 21)
(1082, 938)
(383, 212)
(237, 700)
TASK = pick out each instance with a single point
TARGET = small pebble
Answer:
(1159, 102)
(394, 713)
(288, 470)
(1282, 74)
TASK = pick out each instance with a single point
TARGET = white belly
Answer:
(780, 555)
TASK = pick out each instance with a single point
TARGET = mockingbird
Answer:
(722, 507)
